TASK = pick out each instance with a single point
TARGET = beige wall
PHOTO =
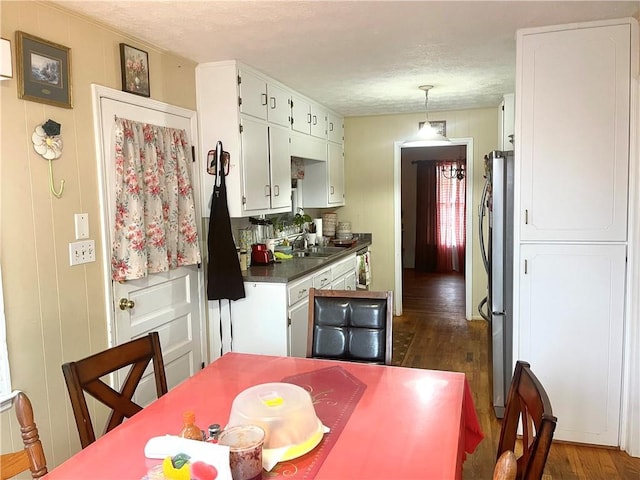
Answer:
(55, 312)
(369, 175)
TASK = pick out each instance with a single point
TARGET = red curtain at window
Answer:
(440, 218)
(451, 217)
(426, 220)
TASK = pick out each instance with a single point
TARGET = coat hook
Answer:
(48, 144)
(51, 187)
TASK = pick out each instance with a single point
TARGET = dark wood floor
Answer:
(433, 308)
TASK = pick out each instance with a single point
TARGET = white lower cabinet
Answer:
(273, 317)
(571, 332)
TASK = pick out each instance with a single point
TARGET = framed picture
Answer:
(439, 126)
(134, 66)
(43, 71)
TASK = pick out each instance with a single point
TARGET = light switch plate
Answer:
(82, 252)
(81, 221)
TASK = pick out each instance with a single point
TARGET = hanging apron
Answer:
(224, 277)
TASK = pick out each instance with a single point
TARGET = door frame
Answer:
(397, 224)
(99, 92)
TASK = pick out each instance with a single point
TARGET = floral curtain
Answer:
(155, 219)
(451, 218)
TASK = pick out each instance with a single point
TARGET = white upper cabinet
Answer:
(262, 99)
(308, 117)
(233, 108)
(280, 167)
(300, 114)
(318, 121)
(574, 140)
(255, 156)
(335, 128)
(278, 105)
(324, 181)
(262, 124)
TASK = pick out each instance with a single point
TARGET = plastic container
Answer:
(190, 430)
(284, 411)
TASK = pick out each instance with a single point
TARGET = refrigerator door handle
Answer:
(481, 214)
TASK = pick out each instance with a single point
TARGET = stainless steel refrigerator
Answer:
(495, 218)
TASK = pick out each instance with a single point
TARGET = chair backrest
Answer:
(32, 457)
(85, 375)
(350, 325)
(506, 467)
(529, 406)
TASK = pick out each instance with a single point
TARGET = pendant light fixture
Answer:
(427, 136)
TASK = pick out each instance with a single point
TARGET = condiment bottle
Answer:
(214, 431)
(190, 430)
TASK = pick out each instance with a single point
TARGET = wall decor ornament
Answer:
(43, 71)
(48, 144)
(134, 69)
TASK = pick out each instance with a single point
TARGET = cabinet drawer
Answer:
(322, 279)
(299, 290)
(342, 267)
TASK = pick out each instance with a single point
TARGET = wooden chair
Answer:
(32, 457)
(84, 375)
(506, 467)
(350, 325)
(527, 402)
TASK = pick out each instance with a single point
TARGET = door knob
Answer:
(125, 304)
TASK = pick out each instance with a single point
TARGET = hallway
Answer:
(433, 311)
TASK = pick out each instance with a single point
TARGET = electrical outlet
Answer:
(81, 221)
(82, 252)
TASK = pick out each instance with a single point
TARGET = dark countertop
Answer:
(296, 267)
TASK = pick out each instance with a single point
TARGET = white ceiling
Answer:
(357, 57)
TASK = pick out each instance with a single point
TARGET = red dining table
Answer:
(386, 422)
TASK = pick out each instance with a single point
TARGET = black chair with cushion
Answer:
(350, 325)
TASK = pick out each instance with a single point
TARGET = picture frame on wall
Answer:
(134, 67)
(43, 71)
(440, 126)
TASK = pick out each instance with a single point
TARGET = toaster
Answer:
(261, 255)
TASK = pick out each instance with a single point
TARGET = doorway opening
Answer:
(406, 161)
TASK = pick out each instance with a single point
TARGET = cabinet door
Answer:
(280, 165)
(300, 114)
(318, 121)
(350, 281)
(253, 95)
(571, 329)
(298, 329)
(335, 128)
(574, 137)
(255, 168)
(339, 284)
(279, 105)
(336, 174)
(256, 329)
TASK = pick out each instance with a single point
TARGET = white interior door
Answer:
(171, 303)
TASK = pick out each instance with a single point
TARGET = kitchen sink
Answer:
(317, 252)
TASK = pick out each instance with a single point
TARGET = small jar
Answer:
(214, 431)
(243, 260)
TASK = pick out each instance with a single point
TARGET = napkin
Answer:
(211, 453)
